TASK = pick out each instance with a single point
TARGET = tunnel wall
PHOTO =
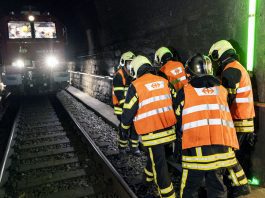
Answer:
(190, 26)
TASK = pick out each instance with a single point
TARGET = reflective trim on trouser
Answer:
(244, 126)
(117, 110)
(240, 123)
(237, 175)
(118, 88)
(210, 166)
(134, 143)
(152, 139)
(157, 158)
(208, 158)
(245, 129)
(183, 181)
(208, 162)
(123, 143)
(149, 176)
(134, 138)
(168, 192)
(160, 141)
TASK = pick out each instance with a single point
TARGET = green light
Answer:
(254, 181)
(251, 34)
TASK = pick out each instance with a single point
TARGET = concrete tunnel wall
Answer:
(189, 26)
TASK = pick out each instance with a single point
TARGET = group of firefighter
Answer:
(206, 119)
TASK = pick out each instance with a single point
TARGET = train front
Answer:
(32, 49)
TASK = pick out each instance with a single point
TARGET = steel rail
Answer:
(102, 156)
(7, 152)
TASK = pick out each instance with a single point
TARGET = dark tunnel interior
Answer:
(99, 31)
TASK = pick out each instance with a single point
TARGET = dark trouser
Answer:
(156, 170)
(238, 180)
(134, 138)
(246, 139)
(244, 153)
(192, 180)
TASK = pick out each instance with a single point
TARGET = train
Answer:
(32, 53)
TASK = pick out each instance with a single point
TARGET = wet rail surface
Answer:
(48, 156)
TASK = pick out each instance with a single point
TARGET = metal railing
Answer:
(93, 75)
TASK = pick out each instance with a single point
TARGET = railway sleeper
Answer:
(42, 140)
(32, 127)
(37, 132)
(44, 164)
(23, 184)
(38, 136)
(30, 146)
(25, 156)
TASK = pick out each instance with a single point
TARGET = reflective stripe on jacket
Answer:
(175, 73)
(155, 110)
(206, 119)
(243, 105)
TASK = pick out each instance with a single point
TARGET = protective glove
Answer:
(251, 138)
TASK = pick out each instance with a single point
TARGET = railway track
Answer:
(105, 136)
(49, 155)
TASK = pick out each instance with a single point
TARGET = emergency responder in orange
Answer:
(208, 133)
(149, 107)
(121, 82)
(170, 69)
(236, 80)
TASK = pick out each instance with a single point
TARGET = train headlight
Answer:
(31, 18)
(19, 63)
(52, 61)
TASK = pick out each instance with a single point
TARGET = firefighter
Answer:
(169, 68)
(149, 107)
(208, 134)
(121, 82)
(236, 80)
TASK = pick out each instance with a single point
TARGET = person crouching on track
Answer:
(121, 82)
(208, 134)
(149, 107)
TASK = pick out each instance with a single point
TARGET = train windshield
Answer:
(45, 30)
(19, 30)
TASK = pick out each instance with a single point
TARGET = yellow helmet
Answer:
(126, 57)
(160, 53)
(219, 48)
(137, 62)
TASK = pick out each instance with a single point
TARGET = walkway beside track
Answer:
(99, 107)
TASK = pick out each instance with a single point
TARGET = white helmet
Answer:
(127, 56)
(137, 62)
(160, 53)
(219, 48)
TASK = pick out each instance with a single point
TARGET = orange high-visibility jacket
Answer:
(155, 109)
(243, 105)
(115, 100)
(175, 73)
(206, 119)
